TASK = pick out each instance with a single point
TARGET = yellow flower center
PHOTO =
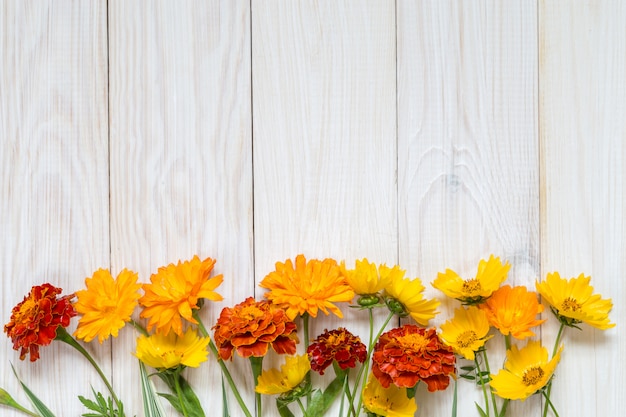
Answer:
(250, 313)
(466, 339)
(27, 310)
(471, 286)
(414, 341)
(336, 339)
(569, 304)
(532, 376)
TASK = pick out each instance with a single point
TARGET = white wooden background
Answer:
(424, 133)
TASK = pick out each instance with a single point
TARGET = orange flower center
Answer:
(532, 376)
(251, 313)
(570, 304)
(336, 339)
(27, 310)
(415, 341)
(471, 286)
(466, 339)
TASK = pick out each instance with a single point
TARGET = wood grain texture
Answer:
(54, 211)
(324, 137)
(583, 151)
(181, 171)
(468, 167)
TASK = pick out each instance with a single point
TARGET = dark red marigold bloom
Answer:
(35, 320)
(251, 327)
(336, 345)
(409, 354)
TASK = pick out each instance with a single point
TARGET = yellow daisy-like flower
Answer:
(573, 301)
(525, 372)
(513, 310)
(466, 332)
(490, 275)
(390, 402)
(291, 374)
(365, 279)
(170, 351)
(309, 287)
(175, 291)
(404, 296)
(106, 305)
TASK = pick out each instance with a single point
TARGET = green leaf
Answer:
(321, 402)
(190, 400)
(283, 408)
(37, 403)
(152, 406)
(225, 412)
(6, 399)
(480, 411)
(102, 407)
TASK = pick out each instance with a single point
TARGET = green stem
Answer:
(548, 390)
(179, 392)
(507, 341)
(256, 363)
(370, 347)
(305, 331)
(139, 327)
(479, 375)
(548, 402)
(346, 389)
(7, 400)
(304, 414)
(222, 365)
(493, 397)
(64, 336)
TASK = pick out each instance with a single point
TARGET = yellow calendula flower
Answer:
(513, 310)
(170, 351)
(365, 278)
(525, 372)
(404, 296)
(175, 291)
(106, 305)
(308, 287)
(390, 402)
(467, 331)
(291, 374)
(574, 302)
(490, 275)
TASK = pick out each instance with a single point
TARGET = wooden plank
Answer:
(467, 151)
(181, 179)
(54, 210)
(324, 137)
(583, 150)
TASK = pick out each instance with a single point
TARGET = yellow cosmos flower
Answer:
(513, 310)
(291, 374)
(490, 275)
(466, 332)
(573, 301)
(365, 278)
(404, 296)
(174, 292)
(309, 287)
(390, 402)
(525, 372)
(106, 305)
(170, 351)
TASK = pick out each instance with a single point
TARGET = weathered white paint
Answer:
(424, 133)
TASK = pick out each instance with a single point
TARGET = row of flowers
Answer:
(379, 378)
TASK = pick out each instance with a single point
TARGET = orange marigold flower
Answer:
(251, 327)
(336, 345)
(309, 287)
(513, 310)
(175, 291)
(35, 320)
(106, 305)
(409, 354)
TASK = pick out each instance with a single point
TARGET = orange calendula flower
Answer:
(169, 351)
(390, 402)
(573, 301)
(106, 305)
(404, 296)
(35, 320)
(307, 287)
(251, 327)
(409, 354)
(336, 345)
(467, 331)
(513, 310)
(525, 372)
(175, 291)
(490, 275)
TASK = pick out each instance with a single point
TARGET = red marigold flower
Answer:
(35, 320)
(251, 327)
(409, 354)
(336, 345)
